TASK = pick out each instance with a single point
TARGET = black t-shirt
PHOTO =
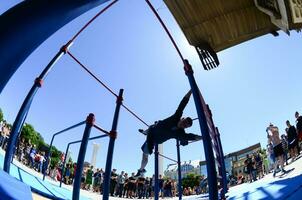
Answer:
(141, 181)
(299, 124)
(161, 183)
(113, 176)
(291, 134)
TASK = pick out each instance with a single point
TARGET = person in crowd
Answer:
(67, 174)
(299, 130)
(125, 191)
(32, 156)
(41, 161)
(292, 139)
(113, 181)
(271, 156)
(163, 130)
(259, 164)
(89, 174)
(248, 170)
(285, 148)
(2, 124)
(140, 186)
(120, 184)
(131, 186)
(96, 181)
(274, 138)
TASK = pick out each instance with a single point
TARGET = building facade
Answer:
(234, 164)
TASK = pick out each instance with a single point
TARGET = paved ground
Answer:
(287, 186)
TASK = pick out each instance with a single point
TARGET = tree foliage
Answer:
(191, 180)
(1, 115)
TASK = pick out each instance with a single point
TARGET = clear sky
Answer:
(256, 83)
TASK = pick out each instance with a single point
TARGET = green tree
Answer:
(191, 180)
(1, 115)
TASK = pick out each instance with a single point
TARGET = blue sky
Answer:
(256, 83)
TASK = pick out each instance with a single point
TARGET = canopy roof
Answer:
(224, 23)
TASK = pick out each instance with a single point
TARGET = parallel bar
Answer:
(211, 169)
(156, 182)
(167, 157)
(80, 163)
(67, 149)
(179, 170)
(100, 129)
(111, 146)
(22, 114)
(51, 142)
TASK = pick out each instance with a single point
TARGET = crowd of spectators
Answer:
(256, 165)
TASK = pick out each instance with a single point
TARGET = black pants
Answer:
(112, 187)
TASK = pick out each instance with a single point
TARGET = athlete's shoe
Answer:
(142, 131)
(140, 172)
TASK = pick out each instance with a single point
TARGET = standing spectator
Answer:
(101, 174)
(32, 156)
(5, 133)
(120, 182)
(249, 167)
(41, 161)
(67, 174)
(89, 174)
(292, 139)
(274, 138)
(168, 188)
(259, 164)
(131, 186)
(299, 130)
(125, 192)
(161, 185)
(113, 182)
(271, 156)
(2, 124)
(140, 186)
(96, 181)
(148, 188)
(285, 147)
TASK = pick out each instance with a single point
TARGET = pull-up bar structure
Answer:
(22, 114)
(51, 142)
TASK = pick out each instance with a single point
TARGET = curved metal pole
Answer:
(14, 49)
(81, 157)
(209, 155)
(51, 142)
(111, 146)
(22, 114)
(179, 170)
(67, 149)
(156, 181)
(224, 178)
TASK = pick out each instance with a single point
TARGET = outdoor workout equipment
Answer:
(211, 169)
(48, 155)
(20, 119)
(75, 142)
(52, 27)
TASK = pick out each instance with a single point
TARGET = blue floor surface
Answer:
(37, 184)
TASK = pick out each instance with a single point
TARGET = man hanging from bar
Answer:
(163, 130)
